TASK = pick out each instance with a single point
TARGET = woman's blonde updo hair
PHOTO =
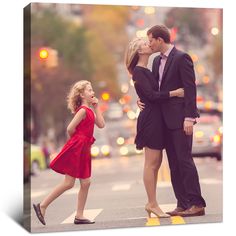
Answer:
(132, 56)
(74, 99)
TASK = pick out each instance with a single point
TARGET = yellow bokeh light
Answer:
(120, 140)
(194, 57)
(216, 138)
(214, 31)
(149, 10)
(124, 150)
(199, 134)
(206, 79)
(208, 105)
(200, 69)
(105, 96)
(131, 115)
(43, 54)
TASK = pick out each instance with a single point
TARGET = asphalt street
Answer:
(117, 196)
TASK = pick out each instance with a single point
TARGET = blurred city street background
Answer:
(70, 42)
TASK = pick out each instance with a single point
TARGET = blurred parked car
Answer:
(129, 150)
(208, 137)
(207, 101)
(123, 136)
(38, 159)
(101, 148)
(114, 112)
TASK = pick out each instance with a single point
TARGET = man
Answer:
(174, 69)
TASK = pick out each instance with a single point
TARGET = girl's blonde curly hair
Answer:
(74, 99)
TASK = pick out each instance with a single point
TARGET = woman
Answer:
(149, 125)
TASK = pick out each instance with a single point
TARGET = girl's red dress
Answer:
(75, 158)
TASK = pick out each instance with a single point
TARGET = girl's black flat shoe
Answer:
(39, 213)
(83, 221)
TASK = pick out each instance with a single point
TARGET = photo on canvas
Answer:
(123, 116)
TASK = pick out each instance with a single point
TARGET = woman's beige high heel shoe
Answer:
(155, 212)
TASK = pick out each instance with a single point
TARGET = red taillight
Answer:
(199, 99)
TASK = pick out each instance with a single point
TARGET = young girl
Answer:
(74, 160)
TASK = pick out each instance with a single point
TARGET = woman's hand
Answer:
(180, 92)
(140, 104)
(177, 93)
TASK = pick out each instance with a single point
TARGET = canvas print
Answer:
(122, 116)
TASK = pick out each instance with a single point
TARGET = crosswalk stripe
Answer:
(210, 181)
(121, 187)
(177, 220)
(90, 214)
(152, 221)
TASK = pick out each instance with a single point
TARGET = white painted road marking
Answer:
(121, 187)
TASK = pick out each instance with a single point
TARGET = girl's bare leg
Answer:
(82, 197)
(67, 183)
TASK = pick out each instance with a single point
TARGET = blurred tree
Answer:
(190, 24)
(90, 51)
(107, 35)
(49, 29)
(109, 23)
(49, 86)
(104, 65)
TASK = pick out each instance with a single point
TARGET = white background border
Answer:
(11, 132)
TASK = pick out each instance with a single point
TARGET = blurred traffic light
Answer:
(173, 34)
(127, 98)
(43, 53)
(49, 57)
(105, 96)
(140, 22)
(200, 99)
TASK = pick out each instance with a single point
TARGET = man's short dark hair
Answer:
(160, 31)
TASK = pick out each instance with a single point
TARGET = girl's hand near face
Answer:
(95, 102)
(99, 120)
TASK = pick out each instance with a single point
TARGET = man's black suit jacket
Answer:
(178, 73)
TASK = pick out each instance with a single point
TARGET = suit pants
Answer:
(184, 175)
